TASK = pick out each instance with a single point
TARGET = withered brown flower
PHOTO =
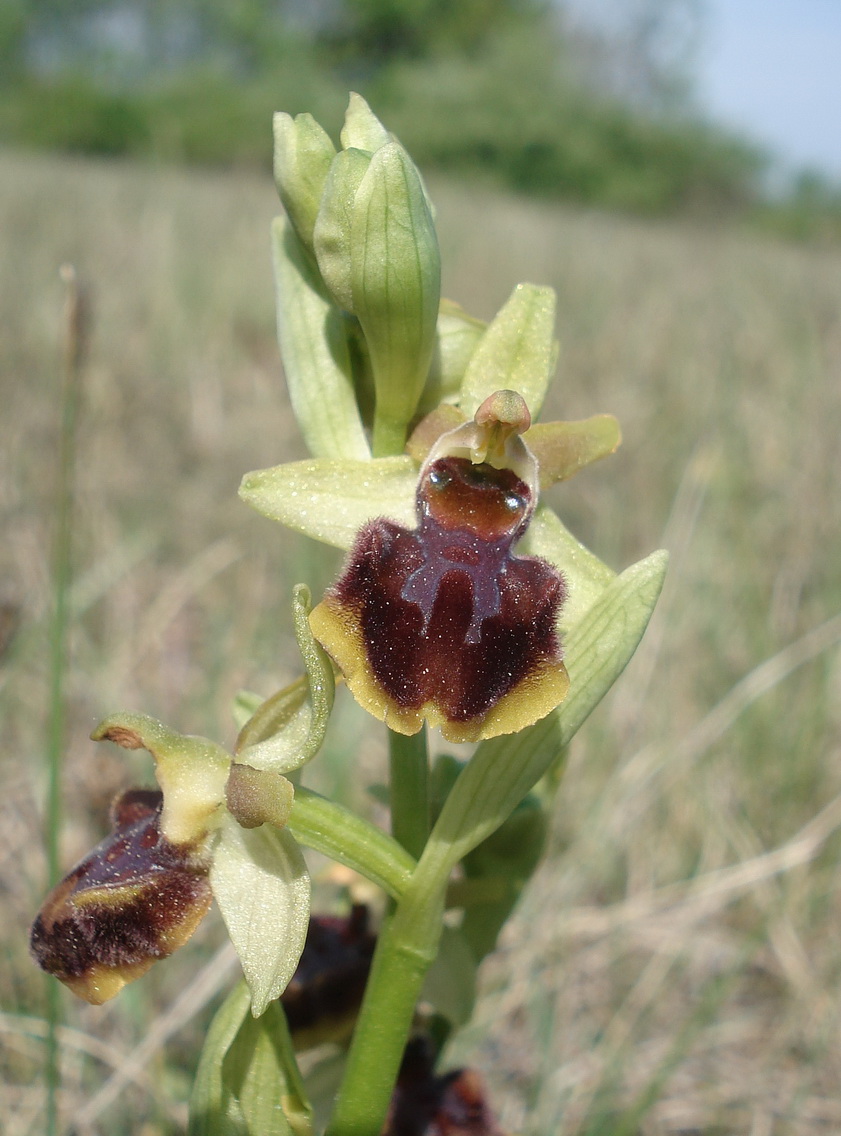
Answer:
(135, 898)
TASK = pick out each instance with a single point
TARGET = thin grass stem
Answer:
(73, 348)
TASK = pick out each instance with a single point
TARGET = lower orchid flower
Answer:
(216, 828)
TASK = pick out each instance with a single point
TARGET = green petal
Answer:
(314, 350)
(396, 278)
(191, 771)
(288, 729)
(261, 884)
(331, 500)
(517, 352)
(302, 156)
(258, 796)
(246, 704)
(563, 448)
(586, 576)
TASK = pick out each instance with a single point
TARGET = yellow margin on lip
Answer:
(337, 628)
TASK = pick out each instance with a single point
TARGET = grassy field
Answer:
(675, 967)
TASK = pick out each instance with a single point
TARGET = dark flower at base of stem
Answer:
(322, 1000)
(423, 1104)
(136, 898)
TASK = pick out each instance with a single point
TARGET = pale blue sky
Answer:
(773, 68)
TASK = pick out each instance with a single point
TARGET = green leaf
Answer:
(191, 771)
(362, 129)
(586, 576)
(288, 729)
(261, 884)
(314, 350)
(302, 156)
(504, 769)
(517, 352)
(213, 1109)
(248, 1081)
(450, 983)
(331, 500)
(395, 280)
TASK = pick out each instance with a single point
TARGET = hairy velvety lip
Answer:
(444, 623)
(134, 899)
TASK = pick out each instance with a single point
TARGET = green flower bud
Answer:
(377, 252)
(334, 224)
(362, 129)
(396, 280)
(302, 156)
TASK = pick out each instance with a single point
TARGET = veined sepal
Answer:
(261, 884)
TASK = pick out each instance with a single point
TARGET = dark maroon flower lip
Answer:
(444, 623)
(134, 899)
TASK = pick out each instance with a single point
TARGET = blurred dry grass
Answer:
(674, 968)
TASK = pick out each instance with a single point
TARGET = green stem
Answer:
(387, 437)
(407, 946)
(409, 783)
(352, 841)
(62, 575)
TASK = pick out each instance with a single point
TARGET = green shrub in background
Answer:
(510, 115)
(488, 89)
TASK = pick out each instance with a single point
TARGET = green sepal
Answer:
(586, 576)
(331, 500)
(396, 281)
(288, 729)
(504, 769)
(456, 336)
(332, 235)
(260, 882)
(314, 350)
(517, 352)
(247, 1081)
(508, 858)
(191, 771)
(302, 156)
(362, 129)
